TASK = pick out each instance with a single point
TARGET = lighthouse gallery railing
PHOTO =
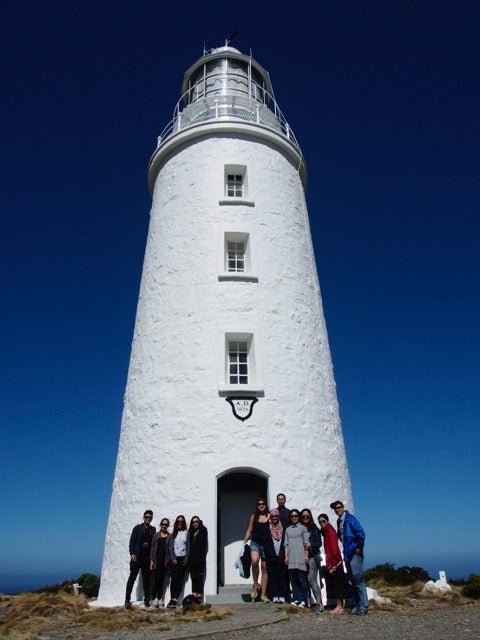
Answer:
(235, 105)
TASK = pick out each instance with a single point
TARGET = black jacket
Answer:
(198, 546)
(138, 538)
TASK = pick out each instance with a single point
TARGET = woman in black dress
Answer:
(159, 562)
(197, 559)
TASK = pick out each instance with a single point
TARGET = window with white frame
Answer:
(234, 185)
(235, 255)
(235, 181)
(238, 362)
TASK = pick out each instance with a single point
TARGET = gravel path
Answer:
(264, 622)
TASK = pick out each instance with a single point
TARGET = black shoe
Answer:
(359, 612)
(172, 604)
(146, 603)
(128, 604)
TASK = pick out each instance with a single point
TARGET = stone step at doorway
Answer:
(232, 594)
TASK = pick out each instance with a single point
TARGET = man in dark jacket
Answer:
(283, 511)
(139, 548)
(352, 537)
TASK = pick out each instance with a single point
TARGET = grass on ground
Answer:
(28, 615)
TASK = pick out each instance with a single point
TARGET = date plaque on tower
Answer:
(242, 406)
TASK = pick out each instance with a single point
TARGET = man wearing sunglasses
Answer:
(352, 537)
(139, 548)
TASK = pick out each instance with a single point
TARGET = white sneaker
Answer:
(281, 600)
(274, 599)
(301, 605)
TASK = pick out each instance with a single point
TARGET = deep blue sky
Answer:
(384, 99)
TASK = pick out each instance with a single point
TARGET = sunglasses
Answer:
(195, 521)
(147, 517)
(323, 521)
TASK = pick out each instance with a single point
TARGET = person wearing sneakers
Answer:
(278, 586)
(159, 562)
(315, 561)
(258, 532)
(296, 558)
(352, 536)
(178, 553)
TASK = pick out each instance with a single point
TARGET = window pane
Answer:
(243, 380)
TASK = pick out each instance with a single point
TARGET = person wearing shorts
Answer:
(258, 532)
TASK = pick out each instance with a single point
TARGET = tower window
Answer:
(235, 257)
(235, 181)
(238, 362)
(237, 186)
(234, 185)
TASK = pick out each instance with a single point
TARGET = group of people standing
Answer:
(285, 545)
(285, 550)
(159, 555)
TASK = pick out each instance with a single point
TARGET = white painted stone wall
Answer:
(178, 433)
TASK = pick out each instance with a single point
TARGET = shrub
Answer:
(90, 584)
(402, 576)
(472, 587)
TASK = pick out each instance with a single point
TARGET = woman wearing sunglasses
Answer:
(178, 550)
(334, 561)
(278, 587)
(197, 560)
(159, 562)
(258, 532)
(314, 558)
(296, 558)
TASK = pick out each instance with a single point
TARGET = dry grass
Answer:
(290, 608)
(29, 615)
(414, 596)
(205, 613)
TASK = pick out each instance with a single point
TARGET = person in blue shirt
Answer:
(352, 536)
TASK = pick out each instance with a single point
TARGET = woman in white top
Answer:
(178, 550)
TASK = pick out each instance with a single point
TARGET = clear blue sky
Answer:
(384, 99)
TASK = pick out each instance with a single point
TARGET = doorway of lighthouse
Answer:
(237, 495)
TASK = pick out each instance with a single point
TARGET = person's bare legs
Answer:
(264, 578)
(255, 570)
(338, 609)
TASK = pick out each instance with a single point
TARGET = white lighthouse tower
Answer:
(230, 392)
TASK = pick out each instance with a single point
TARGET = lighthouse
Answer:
(230, 392)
